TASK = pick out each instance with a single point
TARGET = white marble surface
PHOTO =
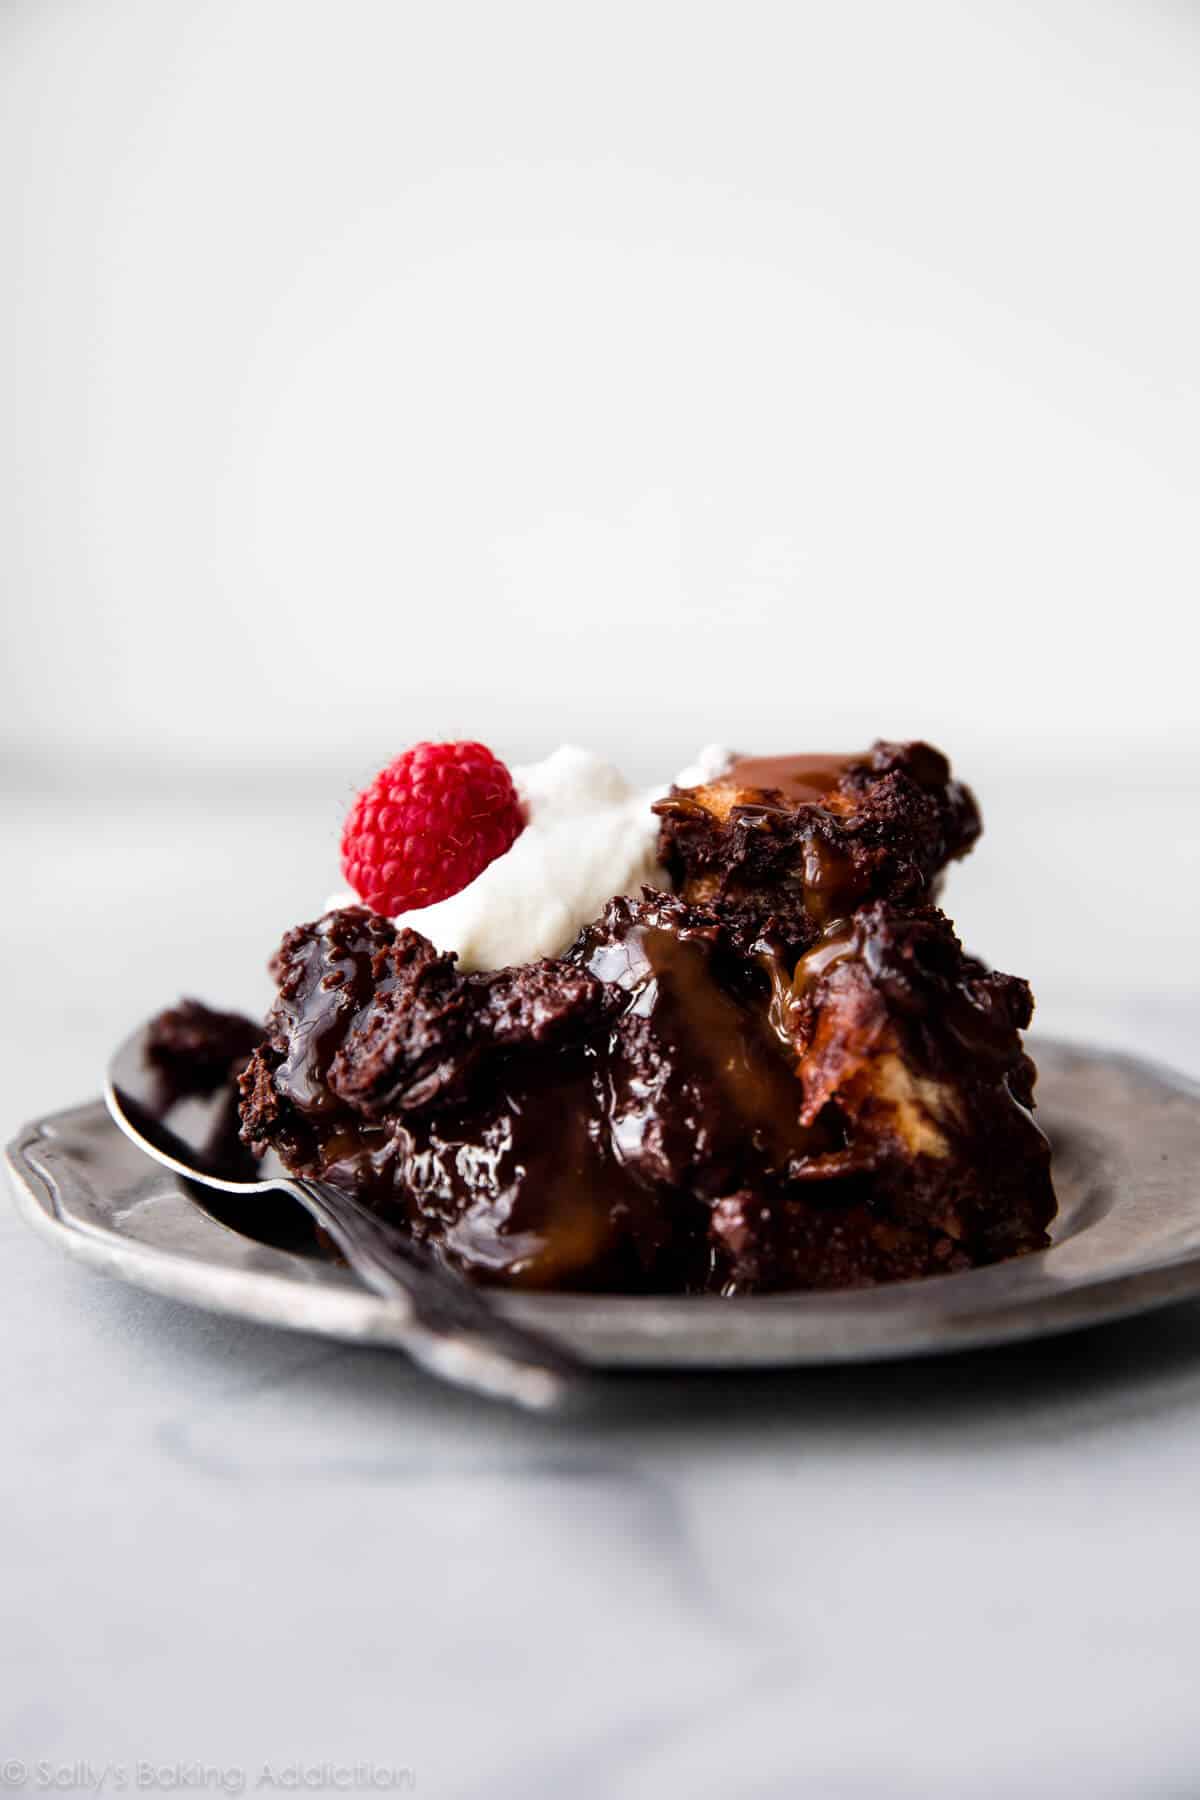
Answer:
(967, 1578)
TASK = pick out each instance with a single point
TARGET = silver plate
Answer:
(1126, 1139)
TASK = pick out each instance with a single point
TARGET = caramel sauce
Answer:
(841, 940)
(799, 779)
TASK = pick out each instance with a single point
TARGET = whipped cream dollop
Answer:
(589, 834)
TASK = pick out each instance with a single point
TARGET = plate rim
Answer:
(1008, 1302)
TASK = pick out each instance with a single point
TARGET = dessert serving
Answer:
(712, 1038)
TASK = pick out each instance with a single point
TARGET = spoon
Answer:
(453, 1329)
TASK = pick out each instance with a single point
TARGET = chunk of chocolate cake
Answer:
(911, 1051)
(468, 1105)
(803, 840)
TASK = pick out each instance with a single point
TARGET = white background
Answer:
(647, 374)
(642, 375)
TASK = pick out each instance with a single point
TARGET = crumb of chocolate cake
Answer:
(197, 1048)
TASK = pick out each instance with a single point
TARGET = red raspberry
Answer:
(428, 824)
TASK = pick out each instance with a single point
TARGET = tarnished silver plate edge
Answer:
(1129, 1240)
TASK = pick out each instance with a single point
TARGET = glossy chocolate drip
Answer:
(522, 1184)
(698, 1092)
(330, 980)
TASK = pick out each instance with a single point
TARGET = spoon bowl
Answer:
(451, 1328)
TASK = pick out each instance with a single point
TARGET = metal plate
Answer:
(1126, 1139)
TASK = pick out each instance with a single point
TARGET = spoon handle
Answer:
(454, 1330)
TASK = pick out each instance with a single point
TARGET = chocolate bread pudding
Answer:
(772, 1067)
